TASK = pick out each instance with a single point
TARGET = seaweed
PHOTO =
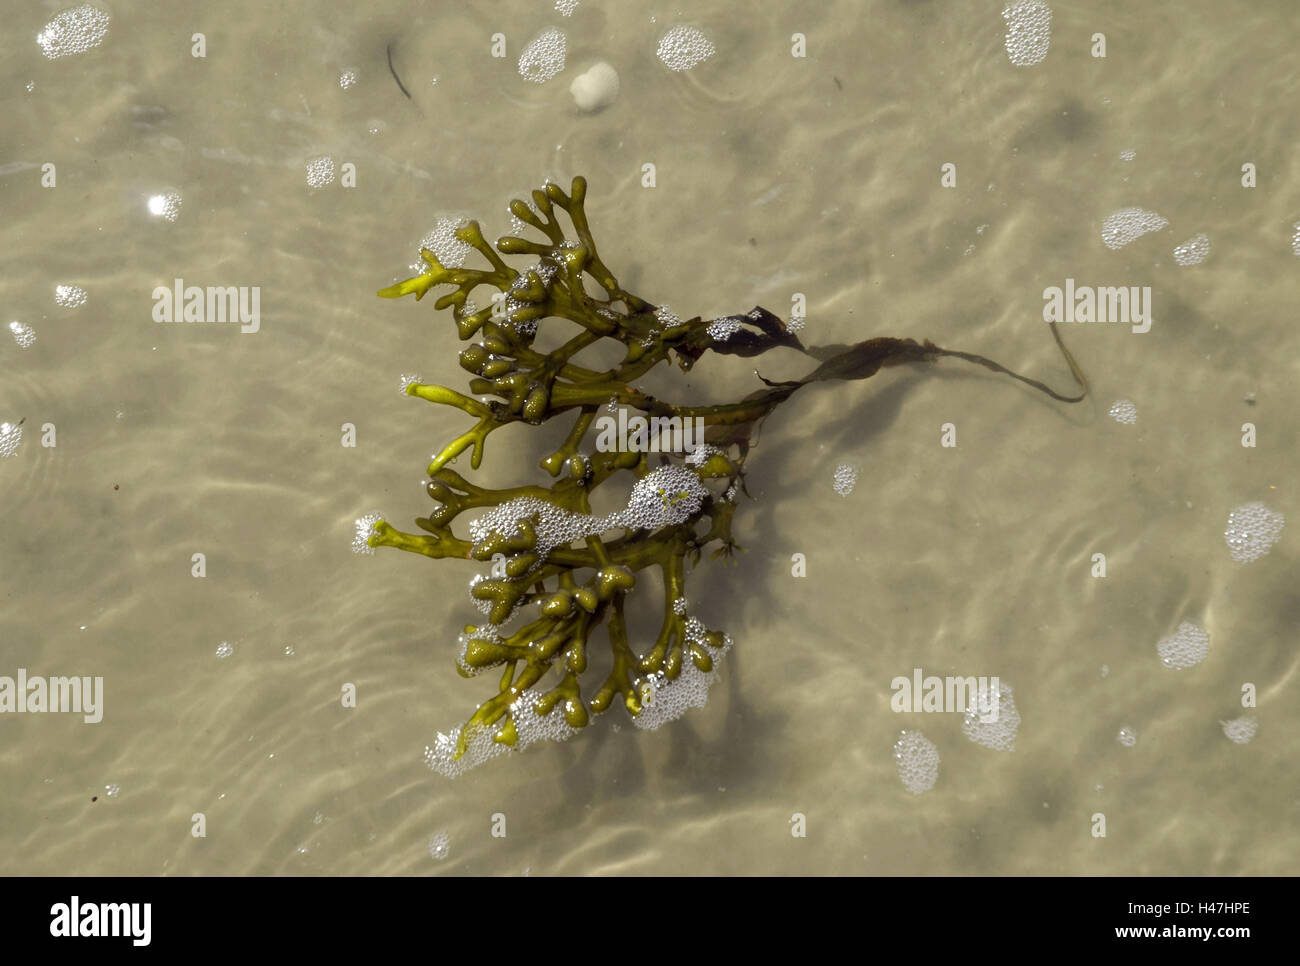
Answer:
(558, 571)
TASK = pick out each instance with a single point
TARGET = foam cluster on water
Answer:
(442, 241)
(554, 526)
(918, 761)
(1185, 647)
(1252, 530)
(11, 435)
(665, 699)
(440, 846)
(845, 479)
(1127, 737)
(665, 496)
(1124, 411)
(347, 79)
(530, 727)
(165, 205)
(543, 56)
(365, 530)
(1000, 735)
(1240, 730)
(320, 171)
(720, 330)
(70, 296)
(701, 454)
(1193, 251)
(1295, 239)
(73, 32)
(23, 334)
(565, 8)
(1129, 224)
(1029, 32)
(683, 47)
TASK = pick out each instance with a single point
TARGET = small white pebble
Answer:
(595, 87)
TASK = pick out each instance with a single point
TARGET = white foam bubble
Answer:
(73, 32)
(665, 699)
(665, 496)
(440, 845)
(442, 241)
(70, 296)
(1127, 155)
(531, 726)
(565, 8)
(543, 56)
(23, 334)
(1185, 647)
(1193, 251)
(1129, 224)
(720, 330)
(481, 745)
(1127, 737)
(165, 205)
(225, 649)
(845, 479)
(1029, 32)
(11, 436)
(918, 761)
(1240, 730)
(320, 171)
(347, 79)
(1295, 240)
(1124, 411)
(1252, 530)
(999, 734)
(365, 529)
(683, 47)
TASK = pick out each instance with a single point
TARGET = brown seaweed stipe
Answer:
(558, 571)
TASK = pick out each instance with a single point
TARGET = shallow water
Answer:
(775, 175)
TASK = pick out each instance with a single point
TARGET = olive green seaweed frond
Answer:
(558, 572)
